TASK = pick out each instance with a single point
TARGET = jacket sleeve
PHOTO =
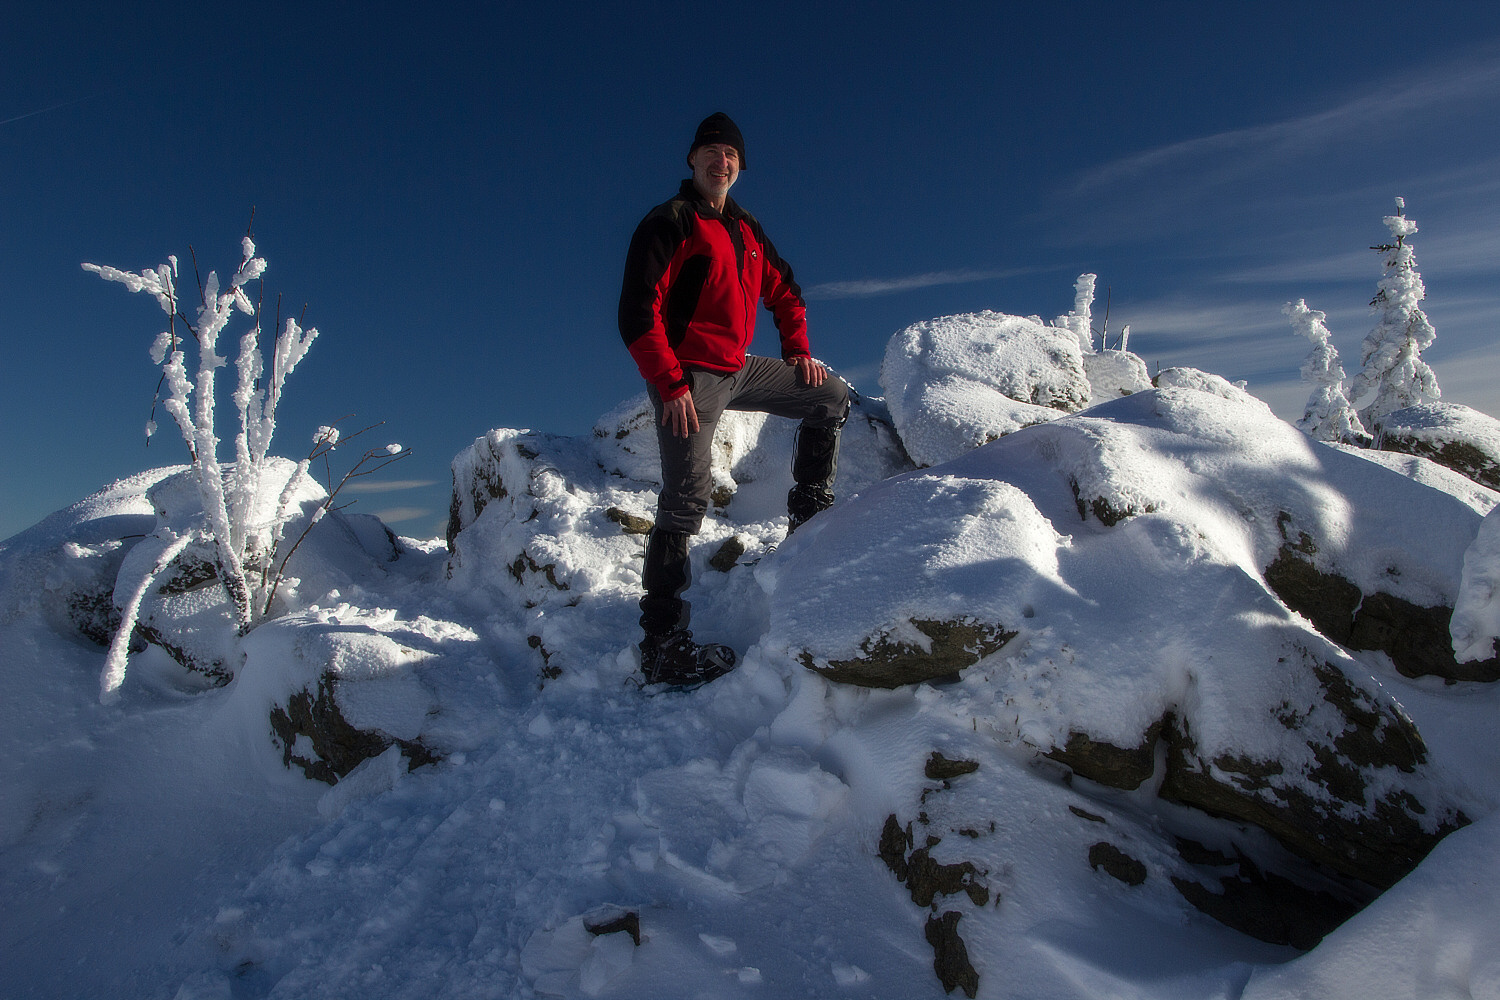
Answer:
(648, 275)
(783, 298)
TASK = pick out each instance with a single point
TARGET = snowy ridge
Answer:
(526, 821)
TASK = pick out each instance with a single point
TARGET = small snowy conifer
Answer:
(1329, 415)
(1392, 366)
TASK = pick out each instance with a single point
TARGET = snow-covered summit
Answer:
(1120, 704)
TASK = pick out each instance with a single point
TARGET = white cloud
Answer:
(889, 286)
(1456, 86)
(388, 485)
(394, 515)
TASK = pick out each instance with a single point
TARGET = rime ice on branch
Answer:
(228, 497)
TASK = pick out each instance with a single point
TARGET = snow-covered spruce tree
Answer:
(1329, 415)
(1391, 357)
(238, 545)
(1080, 320)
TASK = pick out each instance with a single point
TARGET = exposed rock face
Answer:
(1264, 905)
(315, 735)
(937, 650)
(1117, 863)
(1415, 637)
(1456, 436)
(950, 956)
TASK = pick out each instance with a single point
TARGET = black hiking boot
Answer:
(676, 660)
(803, 501)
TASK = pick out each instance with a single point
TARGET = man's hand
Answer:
(680, 415)
(811, 372)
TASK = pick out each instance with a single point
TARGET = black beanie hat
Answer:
(718, 128)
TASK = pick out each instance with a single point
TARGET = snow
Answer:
(959, 381)
(1437, 424)
(1476, 613)
(160, 847)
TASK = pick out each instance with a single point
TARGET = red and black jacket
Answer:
(693, 277)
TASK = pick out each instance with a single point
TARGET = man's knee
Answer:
(830, 404)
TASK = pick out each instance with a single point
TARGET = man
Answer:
(696, 267)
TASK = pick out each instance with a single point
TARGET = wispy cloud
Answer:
(389, 485)
(871, 287)
(1457, 86)
(395, 515)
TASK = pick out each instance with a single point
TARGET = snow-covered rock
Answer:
(557, 526)
(63, 569)
(341, 686)
(1053, 563)
(1450, 434)
(1113, 374)
(954, 383)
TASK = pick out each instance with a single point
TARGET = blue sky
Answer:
(451, 193)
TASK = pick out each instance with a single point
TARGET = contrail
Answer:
(43, 111)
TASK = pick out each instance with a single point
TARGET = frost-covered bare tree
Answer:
(1329, 415)
(238, 534)
(1392, 369)
(228, 499)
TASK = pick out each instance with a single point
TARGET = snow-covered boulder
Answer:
(1082, 571)
(328, 714)
(1202, 381)
(1113, 374)
(954, 383)
(188, 613)
(1450, 434)
(341, 687)
(63, 569)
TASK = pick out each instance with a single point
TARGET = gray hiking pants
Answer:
(764, 384)
(767, 385)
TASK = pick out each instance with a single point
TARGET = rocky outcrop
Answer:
(1350, 813)
(1415, 637)
(1104, 568)
(917, 651)
(557, 526)
(1463, 439)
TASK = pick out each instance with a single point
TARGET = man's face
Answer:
(715, 169)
